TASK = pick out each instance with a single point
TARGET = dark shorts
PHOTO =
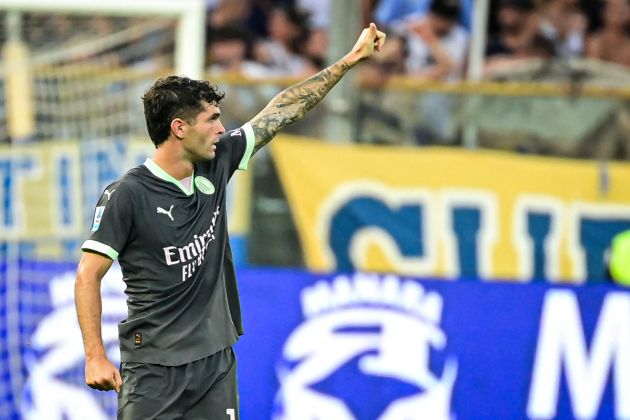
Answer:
(204, 389)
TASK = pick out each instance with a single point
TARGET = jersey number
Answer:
(230, 412)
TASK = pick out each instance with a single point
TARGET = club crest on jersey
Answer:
(204, 185)
(378, 333)
(98, 215)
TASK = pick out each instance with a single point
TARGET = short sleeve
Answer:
(111, 223)
(237, 146)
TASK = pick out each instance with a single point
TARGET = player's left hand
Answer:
(370, 41)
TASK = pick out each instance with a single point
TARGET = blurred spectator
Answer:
(612, 42)
(228, 12)
(437, 43)
(230, 50)
(391, 12)
(538, 50)
(389, 62)
(380, 119)
(319, 19)
(517, 40)
(280, 53)
(564, 23)
(318, 11)
(252, 14)
(517, 22)
(437, 47)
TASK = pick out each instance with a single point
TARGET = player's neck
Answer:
(172, 163)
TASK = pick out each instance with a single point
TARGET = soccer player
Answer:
(166, 224)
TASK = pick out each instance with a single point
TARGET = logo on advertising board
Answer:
(563, 351)
(55, 388)
(366, 338)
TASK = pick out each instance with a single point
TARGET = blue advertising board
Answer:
(351, 346)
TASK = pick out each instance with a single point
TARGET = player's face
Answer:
(203, 134)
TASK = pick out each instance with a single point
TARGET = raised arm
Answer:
(295, 101)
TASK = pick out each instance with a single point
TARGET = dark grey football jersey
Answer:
(173, 248)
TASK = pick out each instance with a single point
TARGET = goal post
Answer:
(190, 15)
(86, 63)
(20, 125)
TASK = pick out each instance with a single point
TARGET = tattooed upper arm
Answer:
(294, 102)
(267, 124)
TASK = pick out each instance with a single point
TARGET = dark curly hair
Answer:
(175, 97)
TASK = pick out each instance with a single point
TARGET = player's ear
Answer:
(178, 128)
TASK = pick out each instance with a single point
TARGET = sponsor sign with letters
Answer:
(351, 346)
(452, 212)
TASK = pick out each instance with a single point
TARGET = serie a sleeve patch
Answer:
(98, 215)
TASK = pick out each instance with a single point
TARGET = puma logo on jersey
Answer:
(109, 193)
(160, 210)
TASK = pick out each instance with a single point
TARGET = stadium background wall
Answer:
(350, 346)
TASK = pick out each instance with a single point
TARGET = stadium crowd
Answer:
(577, 41)
(263, 38)
(574, 41)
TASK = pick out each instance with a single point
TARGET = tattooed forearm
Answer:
(292, 103)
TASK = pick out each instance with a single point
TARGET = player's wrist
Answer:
(95, 355)
(350, 60)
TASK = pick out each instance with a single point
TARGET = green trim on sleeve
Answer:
(250, 138)
(101, 248)
(162, 174)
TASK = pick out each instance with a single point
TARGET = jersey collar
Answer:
(161, 173)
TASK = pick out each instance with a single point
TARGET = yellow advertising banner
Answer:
(452, 213)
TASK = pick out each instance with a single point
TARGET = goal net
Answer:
(86, 73)
(72, 67)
